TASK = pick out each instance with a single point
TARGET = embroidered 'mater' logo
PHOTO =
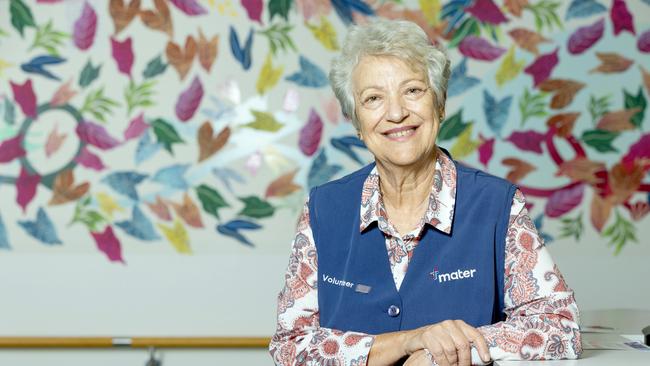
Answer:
(460, 274)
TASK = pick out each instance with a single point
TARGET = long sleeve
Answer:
(299, 338)
(541, 313)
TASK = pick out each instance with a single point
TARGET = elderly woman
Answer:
(415, 258)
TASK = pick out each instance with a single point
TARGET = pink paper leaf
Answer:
(189, 100)
(54, 141)
(85, 28)
(11, 149)
(26, 185)
(63, 94)
(528, 140)
(96, 135)
(332, 109)
(108, 244)
(487, 12)
(136, 128)
(485, 151)
(643, 43)
(291, 100)
(189, 7)
(639, 150)
(25, 97)
(89, 160)
(563, 201)
(621, 17)
(123, 55)
(479, 49)
(542, 67)
(254, 9)
(311, 134)
(585, 37)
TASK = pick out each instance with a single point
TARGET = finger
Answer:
(478, 341)
(463, 345)
(438, 352)
(420, 358)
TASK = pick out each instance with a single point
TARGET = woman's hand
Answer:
(419, 358)
(449, 342)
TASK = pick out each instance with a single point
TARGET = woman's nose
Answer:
(396, 110)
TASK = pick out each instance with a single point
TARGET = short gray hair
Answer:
(382, 37)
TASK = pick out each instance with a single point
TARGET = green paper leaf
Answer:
(264, 121)
(619, 233)
(278, 37)
(572, 227)
(256, 207)
(21, 16)
(97, 104)
(279, 7)
(452, 126)
(468, 27)
(600, 140)
(10, 112)
(532, 105)
(92, 219)
(139, 95)
(211, 200)
(545, 13)
(598, 107)
(88, 74)
(166, 134)
(48, 39)
(154, 68)
(633, 101)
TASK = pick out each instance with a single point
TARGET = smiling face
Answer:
(396, 111)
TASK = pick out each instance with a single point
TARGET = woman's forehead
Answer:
(379, 69)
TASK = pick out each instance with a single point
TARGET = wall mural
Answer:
(150, 121)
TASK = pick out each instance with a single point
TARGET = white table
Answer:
(592, 358)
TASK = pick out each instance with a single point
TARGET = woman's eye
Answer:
(414, 91)
(371, 99)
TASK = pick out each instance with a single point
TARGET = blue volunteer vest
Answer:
(456, 276)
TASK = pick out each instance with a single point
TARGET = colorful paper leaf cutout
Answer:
(85, 27)
(542, 67)
(146, 149)
(123, 54)
(480, 49)
(320, 171)
(54, 141)
(564, 200)
(585, 37)
(581, 169)
(108, 244)
(96, 135)
(166, 134)
(139, 226)
(181, 60)
(254, 9)
(584, 9)
(282, 186)
(519, 169)
(88, 74)
(226, 175)
(64, 189)
(563, 123)
(617, 121)
(601, 209)
(564, 91)
(177, 236)
(38, 66)
(344, 9)
(108, 204)
(600, 140)
(464, 146)
(209, 144)
(640, 150)
(509, 68)
(11, 149)
(528, 140)
(160, 19)
(344, 144)
(486, 151)
(211, 200)
(636, 101)
(4, 240)
(190, 7)
(41, 229)
(264, 121)
(136, 128)
(611, 62)
(207, 50)
(172, 176)
(269, 75)
(21, 16)
(25, 97)
(188, 211)
(243, 55)
(63, 94)
(325, 33)
(452, 126)
(160, 209)
(189, 100)
(154, 67)
(123, 15)
(125, 183)
(459, 82)
(643, 43)
(496, 111)
(256, 208)
(620, 233)
(233, 227)
(487, 12)
(310, 134)
(527, 39)
(26, 185)
(621, 17)
(310, 75)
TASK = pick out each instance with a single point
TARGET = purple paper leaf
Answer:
(108, 244)
(136, 128)
(11, 149)
(563, 201)
(96, 135)
(189, 100)
(89, 160)
(26, 185)
(639, 150)
(621, 17)
(479, 49)
(311, 133)
(254, 9)
(189, 7)
(541, 69)
(85, 28)
(643, 43)
(123, 55)
(25, 97)
(528, 140)
(585, 37)
(485, 151)
(487, 12)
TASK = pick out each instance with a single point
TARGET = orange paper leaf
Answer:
(527, 39)
(188, 211)
(160, 19)
(646, 78)
(64, 190)
(209, 145)
(563, 90)
(581, 170)
(181, 59)
(624, 181)
(601, 208)
(563, 123)
(207, 50)
(282, 186)
(123, 15)
(159, 208)
(515, 6)
(618, 120)
(519, 169)
(54, 141)
(611, 63)
(63, 94)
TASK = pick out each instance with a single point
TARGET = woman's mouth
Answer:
(401, 133)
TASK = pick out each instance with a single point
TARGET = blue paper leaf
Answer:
(496, 112)
(125, 183)
(454, 13)
(242, 55)
(146, 148)
(583, 9)
(647, 1)
(139, 226)
(344, 144)
(320, 172)
(310, 75)
(226, 175)
(41, 229)
(172, 176)
(232, 228)
(459, 82)
(539, 223)
(344, 9)
(37, 66)
(223, 110)
(4, 241)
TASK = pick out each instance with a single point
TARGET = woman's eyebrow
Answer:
(412, 79)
